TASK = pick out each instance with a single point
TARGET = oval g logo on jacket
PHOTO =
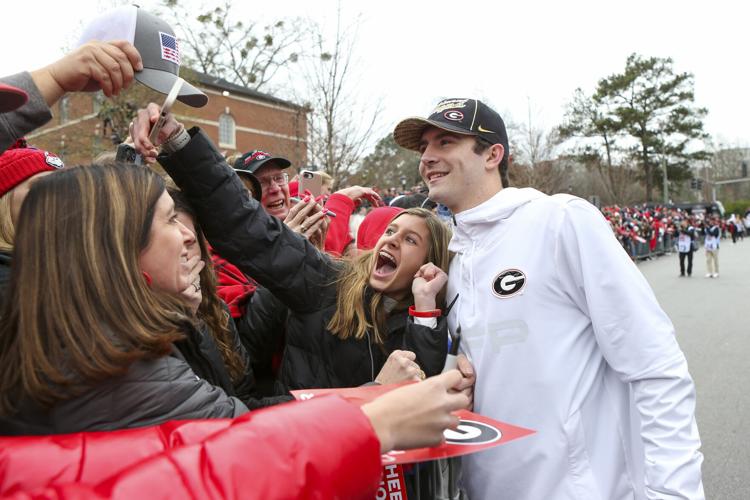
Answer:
(508, 283)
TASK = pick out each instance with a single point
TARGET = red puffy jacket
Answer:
(322, 448)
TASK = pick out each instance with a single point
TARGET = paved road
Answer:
(712, 320)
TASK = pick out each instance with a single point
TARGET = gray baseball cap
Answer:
(155, 41)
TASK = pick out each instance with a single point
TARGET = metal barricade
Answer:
(642, 251)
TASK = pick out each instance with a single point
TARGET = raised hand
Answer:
(192, 291)
(307, 218)
(357, 193)
(466, 386)
(428, 281)
(140, 128)
(400, 367)
(109, 66)
(416, 415)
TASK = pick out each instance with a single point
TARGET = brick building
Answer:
(236, 118)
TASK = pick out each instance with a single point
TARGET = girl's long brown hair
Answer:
(359, 308)
(79, 309)
(211, 309)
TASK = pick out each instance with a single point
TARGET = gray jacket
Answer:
(30, 116)
(151, 392)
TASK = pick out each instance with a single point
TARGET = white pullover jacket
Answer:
(567, 338)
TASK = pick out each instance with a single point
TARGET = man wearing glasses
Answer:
(304, 218)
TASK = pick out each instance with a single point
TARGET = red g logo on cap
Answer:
(454, 115)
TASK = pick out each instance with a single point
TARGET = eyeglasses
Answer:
(280, 180)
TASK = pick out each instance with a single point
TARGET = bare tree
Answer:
(727, 163)
(535, 162)
(340, 126)
(244, 52)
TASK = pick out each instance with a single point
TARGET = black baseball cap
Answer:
(257, 189)
(155, 41)
(458, 115)
(251, 161)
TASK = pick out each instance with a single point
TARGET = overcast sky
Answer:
(518, 56)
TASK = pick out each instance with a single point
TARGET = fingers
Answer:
(465, 366)
(130, 52)
(192, 262)
(447, 380)
(196, 271)
(469, 393)
(107, 72)
(409, 355)
(427, 271)
(124, 67)
(298, 213)
(457, 401)
(109, 66)
(140, 128)
(154, 110)
(293, 211)
(313, 223)
(408, 365)
(194, 265)
(373, 197)
(307, 218)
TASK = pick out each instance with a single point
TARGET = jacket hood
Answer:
(474, 222)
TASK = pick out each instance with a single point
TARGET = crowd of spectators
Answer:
(647, 230)
(130, 297)
(210, 288)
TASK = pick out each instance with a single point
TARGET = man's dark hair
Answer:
(481, 145)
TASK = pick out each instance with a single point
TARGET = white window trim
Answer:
(233, 144)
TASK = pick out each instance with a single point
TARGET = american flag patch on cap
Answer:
(170, 49)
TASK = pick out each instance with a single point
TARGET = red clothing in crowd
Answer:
(322, 448)
(232, 286)
(339, 237)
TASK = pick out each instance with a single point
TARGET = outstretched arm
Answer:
(234, 223)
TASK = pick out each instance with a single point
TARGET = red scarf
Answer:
(232, 285)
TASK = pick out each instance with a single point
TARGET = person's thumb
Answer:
(449, 379)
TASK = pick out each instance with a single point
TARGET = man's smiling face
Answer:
(450, 167)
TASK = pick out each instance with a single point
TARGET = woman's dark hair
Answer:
(79, 309)
(211, 309)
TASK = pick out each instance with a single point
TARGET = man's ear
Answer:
(493, 156)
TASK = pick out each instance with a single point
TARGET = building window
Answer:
(64, 108)
(98, 101)
(226, 131)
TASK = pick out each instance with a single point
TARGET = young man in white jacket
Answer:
(565, 334)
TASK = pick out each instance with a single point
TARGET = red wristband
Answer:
(434, 313)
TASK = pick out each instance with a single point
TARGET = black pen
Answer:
(451, 360)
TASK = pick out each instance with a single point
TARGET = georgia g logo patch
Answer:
(508, 283)
(454, 115)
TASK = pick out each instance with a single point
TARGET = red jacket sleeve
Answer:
(322, 448)
(338, 236)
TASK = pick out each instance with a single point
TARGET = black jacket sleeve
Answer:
(262, 326)
(429, 344)
(242, 232)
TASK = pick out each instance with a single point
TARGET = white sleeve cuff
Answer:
(428, 322)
